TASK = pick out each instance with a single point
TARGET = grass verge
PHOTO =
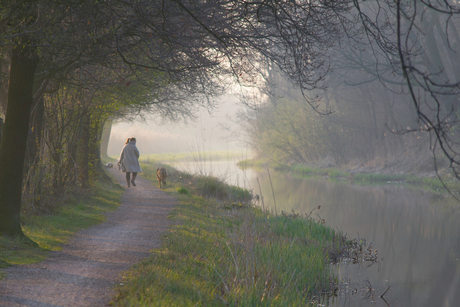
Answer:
(51, 231)
(221, 250)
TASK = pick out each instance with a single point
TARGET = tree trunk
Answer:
(13, 144)
(3, 93)
(105, 138)
(84, 151)
(1, 129)
(95, 147)
(35, 135)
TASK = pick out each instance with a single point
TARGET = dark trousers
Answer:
(128, 176)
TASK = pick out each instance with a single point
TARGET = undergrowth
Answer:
(50, 231)
(206, 186)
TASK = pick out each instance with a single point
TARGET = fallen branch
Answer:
(381, 296)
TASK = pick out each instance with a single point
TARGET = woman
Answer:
(129, 159)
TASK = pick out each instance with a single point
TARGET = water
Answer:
(223, 169)
(417, 234)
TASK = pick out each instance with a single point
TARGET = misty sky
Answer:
(218, 131)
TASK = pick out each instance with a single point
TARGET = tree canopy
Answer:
(160, 51)
(393, 88)
(67, 66)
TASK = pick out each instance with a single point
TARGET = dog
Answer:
(161, 176)
(109, 166)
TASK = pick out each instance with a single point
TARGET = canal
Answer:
(417, 233)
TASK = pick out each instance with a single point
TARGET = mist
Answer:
(212, 130)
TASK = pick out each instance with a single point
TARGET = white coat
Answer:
(129, 158)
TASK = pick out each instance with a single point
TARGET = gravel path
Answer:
(84, 272)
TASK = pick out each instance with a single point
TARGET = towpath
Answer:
(85, 271)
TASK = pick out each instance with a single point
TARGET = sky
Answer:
(209, 132)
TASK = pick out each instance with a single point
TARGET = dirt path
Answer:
(84, 272)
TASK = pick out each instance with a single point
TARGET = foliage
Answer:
(162, 56)
(211, 186)
(63, 155)
(183, 190)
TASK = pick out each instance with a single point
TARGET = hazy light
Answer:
(206, 133)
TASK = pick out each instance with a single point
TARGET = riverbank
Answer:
(359, 174)
(223, 250)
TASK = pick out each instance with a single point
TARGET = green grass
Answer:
(315, 171)
(197, 184)
(383, 177)
(51, 231)
(189, 156)
(219, 252)
(183, 190)
(428, 183)
(262, 164)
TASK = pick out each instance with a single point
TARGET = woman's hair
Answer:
(127, 140)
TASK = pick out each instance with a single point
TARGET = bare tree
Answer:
(420, 40)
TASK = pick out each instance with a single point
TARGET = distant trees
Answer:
(358, 131)
(393, 89)
(419, 42)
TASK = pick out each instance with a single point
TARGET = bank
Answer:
(221, 249)
(442, 181)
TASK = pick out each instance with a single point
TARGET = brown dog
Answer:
(161, 176)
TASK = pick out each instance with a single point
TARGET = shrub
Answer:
(237, 194)
(334, 173)
(183, 190)
(211, 187)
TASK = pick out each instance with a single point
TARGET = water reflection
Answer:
(416, 232)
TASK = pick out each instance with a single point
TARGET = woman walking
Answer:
(129, 160)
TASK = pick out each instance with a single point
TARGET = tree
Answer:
(420, 41)
(13, 144)
(195, 46)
